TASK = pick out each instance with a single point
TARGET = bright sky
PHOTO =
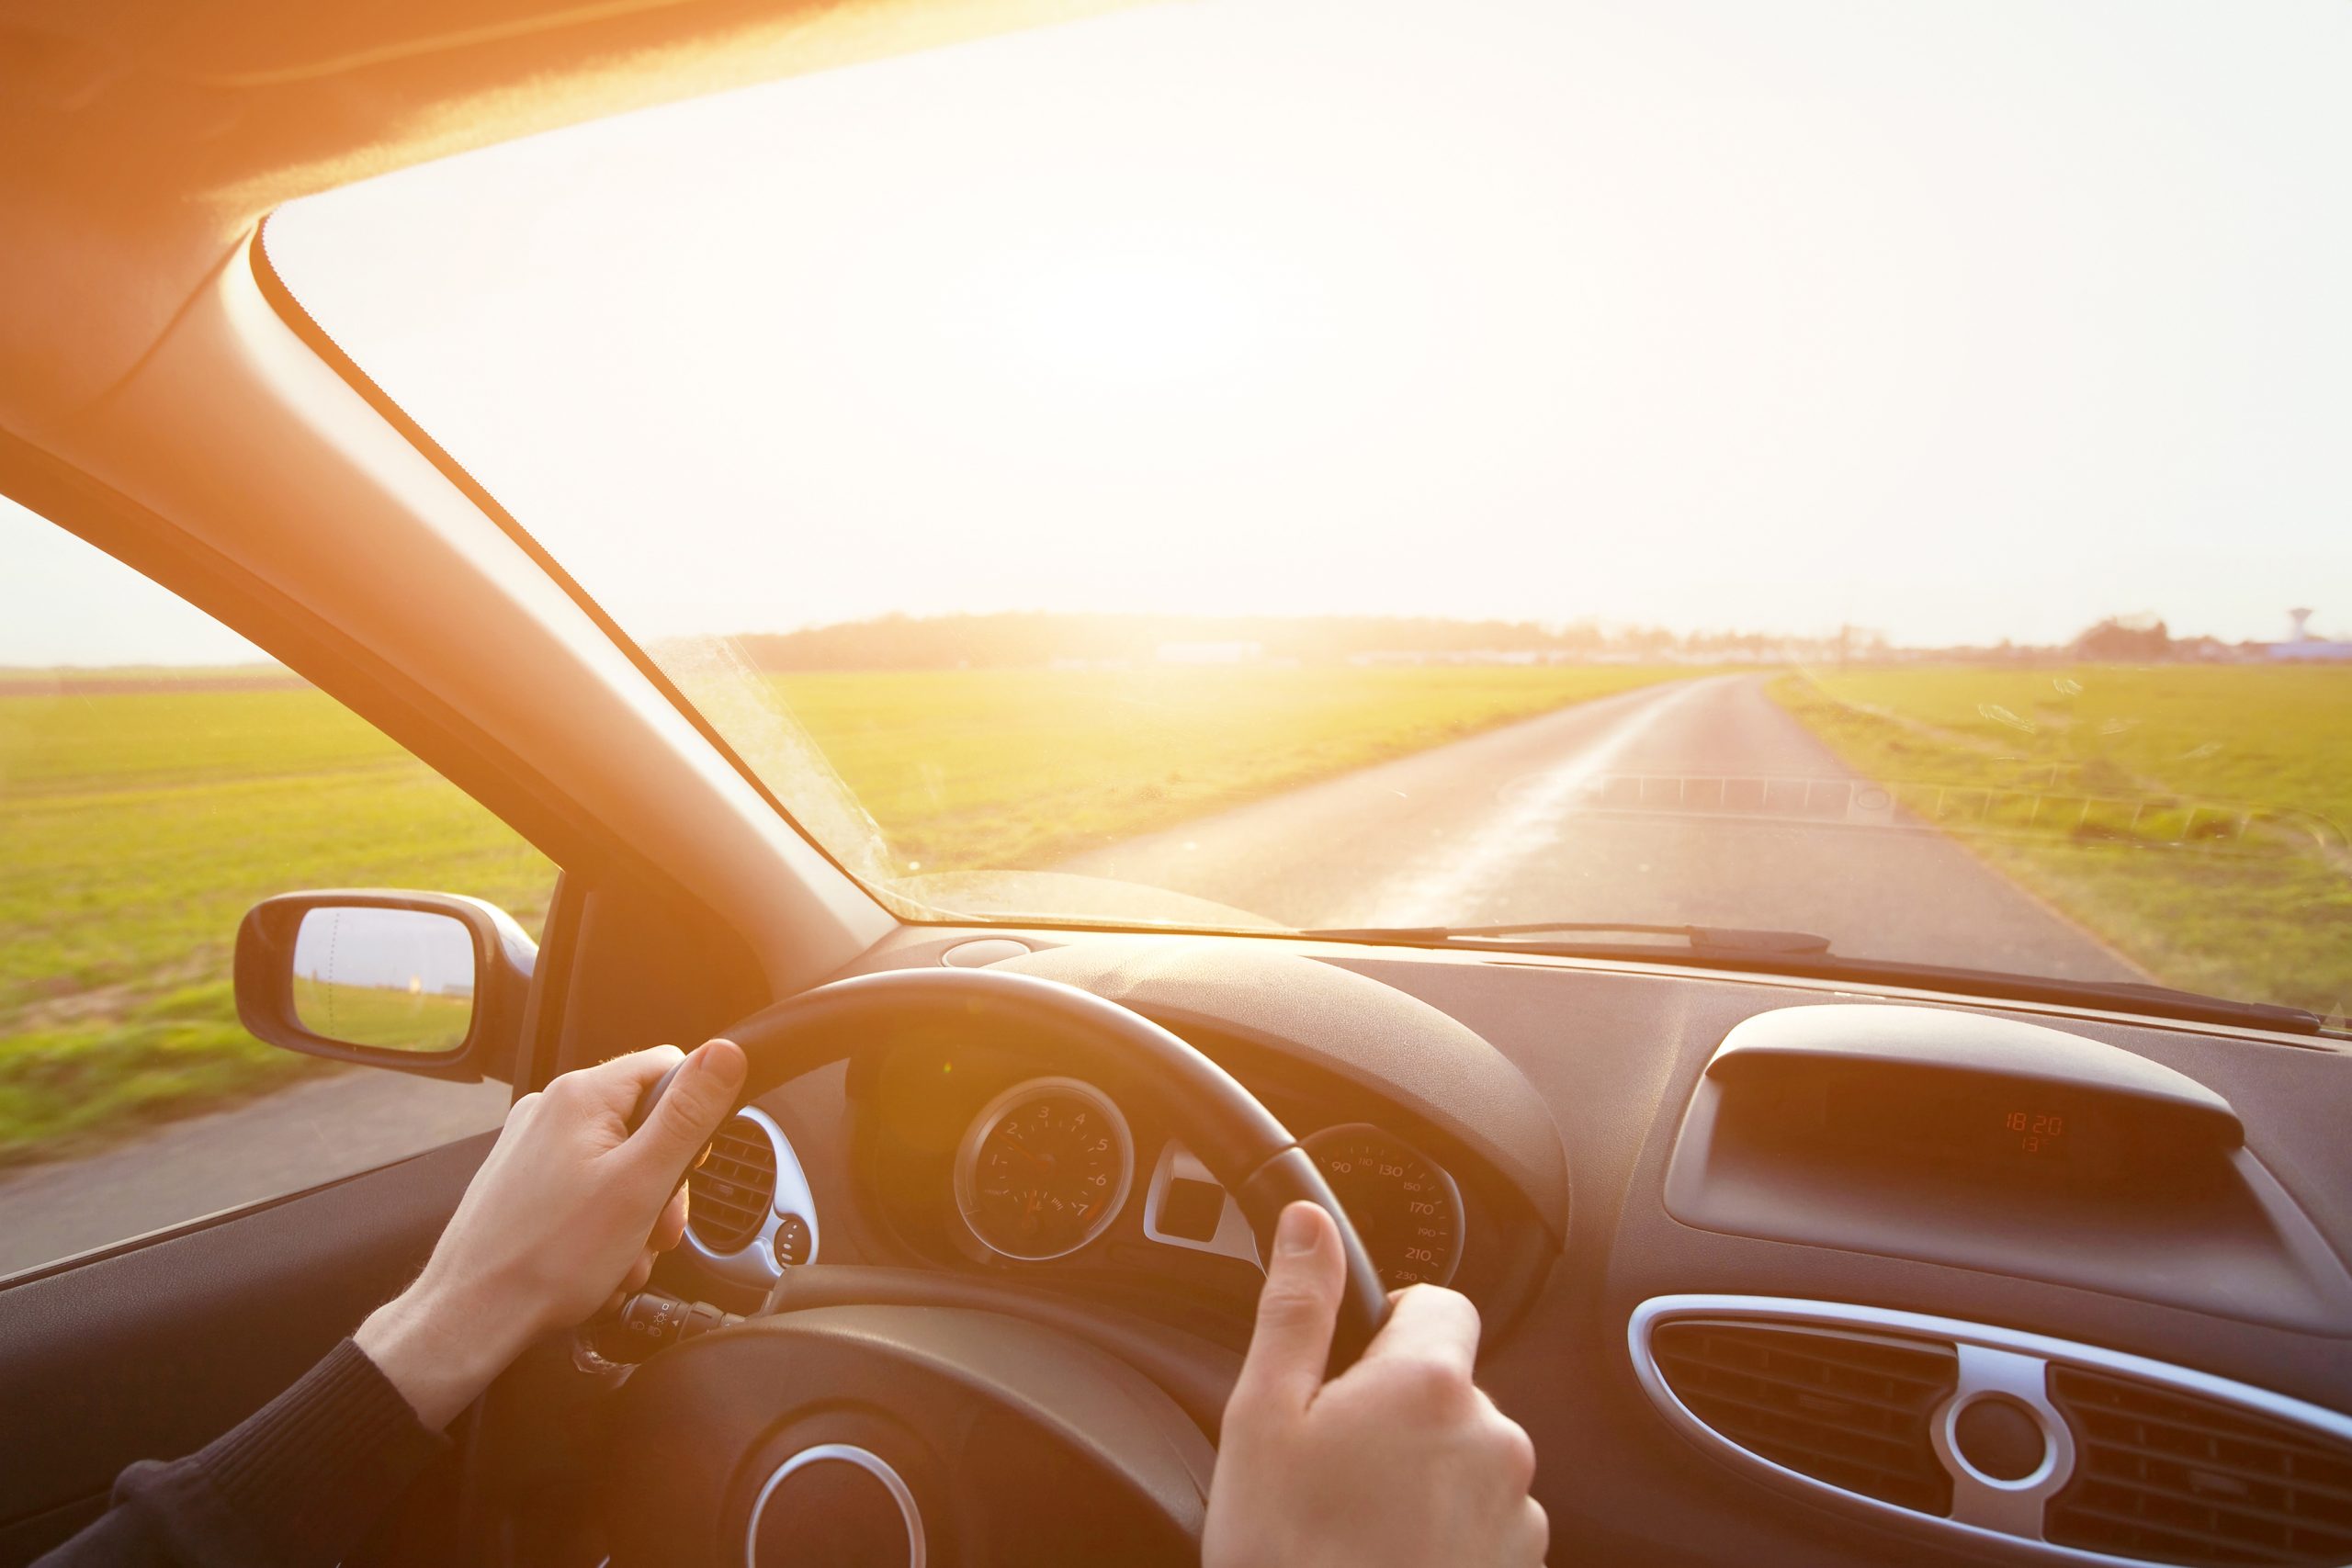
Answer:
(1965, 320)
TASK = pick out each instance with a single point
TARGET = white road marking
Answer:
(1529, 819)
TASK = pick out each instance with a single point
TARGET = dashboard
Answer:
(1844, 1275)
(1049, 1164)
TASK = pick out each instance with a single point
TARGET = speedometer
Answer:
(1043, 1169)
(1402, 1202)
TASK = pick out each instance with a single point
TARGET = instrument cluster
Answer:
(1046, 1166)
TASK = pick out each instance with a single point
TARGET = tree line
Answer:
(1029, 639)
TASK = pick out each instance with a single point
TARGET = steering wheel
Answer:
(929, 1434)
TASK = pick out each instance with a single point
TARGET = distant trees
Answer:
(1032, 638)
(2126, 639)
(1036, 638)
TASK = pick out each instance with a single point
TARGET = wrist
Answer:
(437, 1351)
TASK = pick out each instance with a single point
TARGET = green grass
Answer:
(966, 769)
(135, 830)
(136, 826)
(382, 1018)
(2192, 816)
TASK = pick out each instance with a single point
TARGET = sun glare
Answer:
(1678, 314)
(1125, 313)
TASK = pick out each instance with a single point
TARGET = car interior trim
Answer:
(298, 319)
(865, 1459)
(754, 1263)
(231, 355)
(1232, 1237)
(1769, 1147)
(1993, 1361)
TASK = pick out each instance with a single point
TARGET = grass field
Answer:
(2192, 814)
(136, 827)
(381, 1017)
(140, 817)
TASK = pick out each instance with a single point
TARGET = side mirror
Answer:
(424, 983)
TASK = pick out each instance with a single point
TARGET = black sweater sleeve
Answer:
(295, 1486)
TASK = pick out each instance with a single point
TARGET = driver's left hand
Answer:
(569, 1211)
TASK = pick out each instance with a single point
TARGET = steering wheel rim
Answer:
(1243, 1145)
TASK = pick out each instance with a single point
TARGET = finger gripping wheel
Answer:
(1243, 1146)
(653, 1095)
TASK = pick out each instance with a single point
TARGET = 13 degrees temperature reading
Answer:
(2035, 1131)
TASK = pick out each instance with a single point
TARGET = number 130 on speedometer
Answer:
(1403, 1203)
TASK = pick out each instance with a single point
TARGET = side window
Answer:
(158, 776)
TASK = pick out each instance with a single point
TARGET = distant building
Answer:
(2206, 650)
(2301, 647)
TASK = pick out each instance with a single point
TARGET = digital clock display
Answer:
(2042, 1133)
(1992, 1128)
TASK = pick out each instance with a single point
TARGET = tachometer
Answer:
(1043, 1169)
(1404, 1204)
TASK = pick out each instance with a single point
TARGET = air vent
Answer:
(731, 1193)
(2168, 1477)
(1848, 1409)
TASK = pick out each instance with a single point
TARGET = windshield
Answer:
(1866, 471)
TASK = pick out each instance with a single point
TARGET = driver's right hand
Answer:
(1400, 1461)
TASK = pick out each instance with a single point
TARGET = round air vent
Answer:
(729, 1195)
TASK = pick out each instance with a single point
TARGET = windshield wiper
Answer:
(1747, 940)
(2140, 996)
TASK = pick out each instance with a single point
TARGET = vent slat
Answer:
(729, 1194)
(1918, 1368)
(1846, 1461)
(2152, 1541)
(2131, 1535)
(1895, 1406)
(1844, 1409)
(2171, 1477)
(1898, 1440)
(2110, 1429)
(2237, 1508)
(2125, 1406)
(2308, 1486)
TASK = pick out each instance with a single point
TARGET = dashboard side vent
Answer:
(1848, 1409)
(2164, 1476)
(729, 1194)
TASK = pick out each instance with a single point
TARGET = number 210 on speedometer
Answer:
(1402, 1202)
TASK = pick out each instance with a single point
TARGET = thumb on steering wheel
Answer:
(1297, 1311)
(701, 1093)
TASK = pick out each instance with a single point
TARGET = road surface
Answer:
(328, 1127)
(1696, 802)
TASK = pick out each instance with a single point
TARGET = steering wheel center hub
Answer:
(835, 1504)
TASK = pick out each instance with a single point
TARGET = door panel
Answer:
(153, 1349)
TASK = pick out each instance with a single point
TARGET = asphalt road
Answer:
(1698, 802)
(313, 1133)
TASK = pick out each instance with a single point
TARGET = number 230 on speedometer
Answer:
(1403, 1203)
